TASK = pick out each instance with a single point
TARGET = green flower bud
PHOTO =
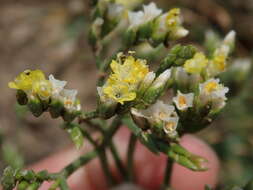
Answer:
(177, 57)
(56, 108)
(23, 185)
(35, 106)
(33, 186)
(21, 97)
(8, 180)
(183, 157)
(28, 175)
(42, 175)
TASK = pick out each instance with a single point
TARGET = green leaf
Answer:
(76, 136)
(183, 157)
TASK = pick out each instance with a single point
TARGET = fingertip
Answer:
(185, 179)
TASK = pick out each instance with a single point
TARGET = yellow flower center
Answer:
(125, 77)
(219, 62)
(181, 100)
(162, 115)
(169, 126)
(211, 86)
(196, 64)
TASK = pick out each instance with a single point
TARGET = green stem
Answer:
(102, 157)
(130, 157)
(167, 175)
(79, 162)
(88, 116)
(88, 137)
(118, 161)
(102, 153)
(102, 127)
(63, 184)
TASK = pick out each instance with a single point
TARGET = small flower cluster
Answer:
(199, 96)
(131, 81)
(149, 24)
(41, 94)
(155, 26)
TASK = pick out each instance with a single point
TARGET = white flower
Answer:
(162, 79)
(68, 97)
(135, 18)
(138, 18)
(57, 86)
(230, 38)
(171, 23)
(212, 91)
(178, 33)
(115, 11)
(151, 11)
(183, 101)
(227, 44)
(160, 113)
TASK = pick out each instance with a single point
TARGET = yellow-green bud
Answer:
(23, 185)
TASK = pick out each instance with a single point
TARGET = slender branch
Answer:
(105, 166)
(102, 127)
(79, 162)
(130, 157)
(88, 116)
(118, 161)
(167, 175)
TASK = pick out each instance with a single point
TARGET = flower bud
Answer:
(146, 83)
(56, 108)
(22, 98)
(35, 106)
(8, 181)
(157, 87)
(33, 186)
(95, 31)
(177, 57)
(23, 185)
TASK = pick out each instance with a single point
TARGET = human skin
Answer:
(149, 168)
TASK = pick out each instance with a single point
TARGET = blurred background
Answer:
(52, 36)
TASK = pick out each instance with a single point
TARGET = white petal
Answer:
(57, 85)
(162, 79)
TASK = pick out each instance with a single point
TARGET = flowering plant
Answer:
(183, 95)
